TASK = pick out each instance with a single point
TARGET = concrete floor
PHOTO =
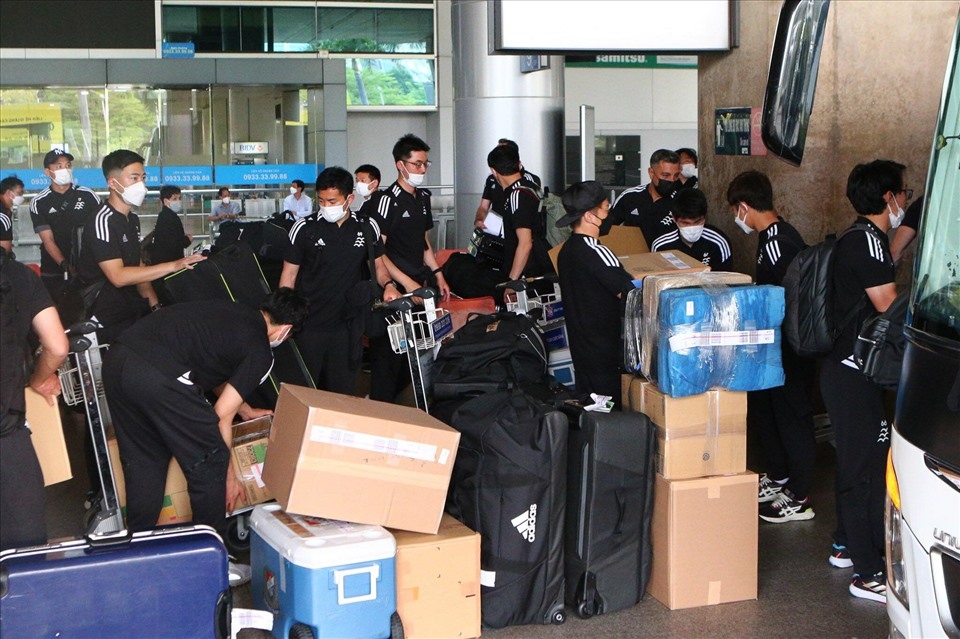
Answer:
(800, 595)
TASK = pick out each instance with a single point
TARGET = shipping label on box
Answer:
(359, 460)
(639, 266)
(704, 536)
(438, 581)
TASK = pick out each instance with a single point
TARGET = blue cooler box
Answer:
(335, 577)
(728, 339)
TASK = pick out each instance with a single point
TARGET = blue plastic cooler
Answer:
(336, 577)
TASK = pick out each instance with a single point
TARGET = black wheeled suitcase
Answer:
(611, 466)
(509, 485)
(165, 583)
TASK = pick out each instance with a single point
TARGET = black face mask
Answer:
(665, 187)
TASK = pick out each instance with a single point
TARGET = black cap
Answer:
(580, 198)
(54, 155)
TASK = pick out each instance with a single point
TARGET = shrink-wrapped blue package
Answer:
(719, 337)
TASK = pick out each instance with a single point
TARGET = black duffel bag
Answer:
(469, 277)
(490, 352)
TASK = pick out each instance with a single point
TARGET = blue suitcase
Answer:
(165, 583)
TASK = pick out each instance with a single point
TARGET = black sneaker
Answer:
(873, 588)
(840, 558)
(786, 508)
(769, 489)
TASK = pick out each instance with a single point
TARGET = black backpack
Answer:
(878, 351)
(808, 324)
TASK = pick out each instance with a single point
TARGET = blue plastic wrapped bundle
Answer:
(719, 337)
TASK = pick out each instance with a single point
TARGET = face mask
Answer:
(743, 223)
(332, 213)
(226, 200)
(17, 200)
(63, 177)
(362, 189)
(691, 233)
(293, 190)
(416, 179)
(665, 187)
(134, 194)
(895, 218)
(279, 340)
(175, 205)
(688, 171)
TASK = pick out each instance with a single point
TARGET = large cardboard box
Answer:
(438, 582)
(46, 433)
(359, 460)
(249, 450)
(698, 435)
(641, 265)
(704, 537)
(622, 240)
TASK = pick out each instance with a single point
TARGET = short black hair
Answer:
(406, 145)
(335, 177)
(286, 306)
(508, 142)
(504, 159)
(370, 170)
(119, 160)
(167, 191)
(298, 183)
(689, 204)
(688, 151)
(222, 190)
(664, 155)
(868, 183)
(9, 183)
(753, 188)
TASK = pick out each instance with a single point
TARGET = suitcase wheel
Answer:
(300, 631)
(584, 610)
(238, 534)
(558, 616)
(396, 626)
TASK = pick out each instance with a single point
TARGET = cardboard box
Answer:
(698, 435)
(249, 449)
(639, 266)
(438, 581)
(704, 537)
(622, 240)
(359, 460)
(46, 433)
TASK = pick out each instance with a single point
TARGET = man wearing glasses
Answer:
(405, 220)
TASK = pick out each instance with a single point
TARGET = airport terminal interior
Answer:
(253, 95)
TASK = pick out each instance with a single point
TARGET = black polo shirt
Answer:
(861, 260)
(405, 218)
(205, 344)
(712, 249)
(521, 210)
(332, 259)
(591, 277)
(369, 206)
(111, 235)
(61, 213)
(169, 238)
(635, 207)
(494, 192)
(776, 248)
(6, 228)
(23, 296)
(911, 217)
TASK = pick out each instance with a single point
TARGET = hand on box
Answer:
(234, 490)
(247, 412)
(49, 388)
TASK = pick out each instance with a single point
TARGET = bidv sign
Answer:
(250, 148)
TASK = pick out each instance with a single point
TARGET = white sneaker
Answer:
(239, 574)
(769, 489)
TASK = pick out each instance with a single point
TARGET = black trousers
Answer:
(389, 372)
(327, 356)
(783, 419)
(156, 418)
(22, 498)
(862, 435)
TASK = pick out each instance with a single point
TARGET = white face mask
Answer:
(415, 179)
(691, 233)
(226, 200)
(332, 213)
(895, 218)
(63, 177)
(17, 200)
(293, 190)
(175, 205)
(280, 338)
(133, 194)
(688, 171)
(742, 223)
(362, 189)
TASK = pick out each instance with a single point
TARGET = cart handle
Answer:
(405, 302)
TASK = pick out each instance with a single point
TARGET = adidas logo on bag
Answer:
(526, 523)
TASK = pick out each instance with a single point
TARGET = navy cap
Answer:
(54, 155)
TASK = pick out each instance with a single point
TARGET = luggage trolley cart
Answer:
(547, 310)
(417, 333)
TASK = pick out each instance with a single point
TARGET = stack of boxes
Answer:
(348, 465)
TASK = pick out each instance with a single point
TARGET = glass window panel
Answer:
(375, 30)
(294, 29)
(378, 82)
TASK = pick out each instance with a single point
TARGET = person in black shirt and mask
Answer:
(649, 206)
